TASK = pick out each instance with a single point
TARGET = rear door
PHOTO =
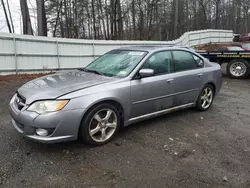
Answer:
(188, 77)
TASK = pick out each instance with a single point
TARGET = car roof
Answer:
(150, 48)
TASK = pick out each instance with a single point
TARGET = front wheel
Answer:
(100, 124)
(238, 68)
(205, 98)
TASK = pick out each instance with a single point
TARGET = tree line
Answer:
(132, 19)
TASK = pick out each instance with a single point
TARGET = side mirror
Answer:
(146, 73)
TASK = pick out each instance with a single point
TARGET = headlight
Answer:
(42, 107)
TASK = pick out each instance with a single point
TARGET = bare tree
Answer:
(27, 28)
(94, 18)
(66, 17)
(6, 16)
(41, 18)
(144, 19)
(176, 18)
(133, 18)
(57, 17)
(102, 18)
(119, 19)
(10, 15)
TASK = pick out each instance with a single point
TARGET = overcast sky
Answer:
(16, 15)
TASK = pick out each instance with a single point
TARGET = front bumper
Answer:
(64, 125)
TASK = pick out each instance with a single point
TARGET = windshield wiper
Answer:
(93, 71)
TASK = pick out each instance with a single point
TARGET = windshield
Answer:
(247, 45)
(117, 63)
(235, 48)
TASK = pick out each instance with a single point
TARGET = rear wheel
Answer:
(205, 98)
(238, 68)
(100, 124)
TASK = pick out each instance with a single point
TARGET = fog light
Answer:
(42, 132)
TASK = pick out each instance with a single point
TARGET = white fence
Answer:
(23, 53)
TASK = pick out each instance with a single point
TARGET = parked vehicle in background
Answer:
(238, 61)
(241, 37)
(122, 87)
(245, 46)
(230, 48)
(244, 37)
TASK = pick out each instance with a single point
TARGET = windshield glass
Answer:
(117, 63)
(247, 45)
(235, 48)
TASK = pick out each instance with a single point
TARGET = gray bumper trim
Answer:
(49, 139)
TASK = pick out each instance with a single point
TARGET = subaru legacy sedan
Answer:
(121, 87)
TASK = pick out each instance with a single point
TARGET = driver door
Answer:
(153, 94)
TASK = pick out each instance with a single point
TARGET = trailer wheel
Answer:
(238, 68)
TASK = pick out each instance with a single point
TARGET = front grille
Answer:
(20, 101)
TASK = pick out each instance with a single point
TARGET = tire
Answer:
(243, 69)
(200, 101)
(91, 123)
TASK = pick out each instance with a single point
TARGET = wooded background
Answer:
(132, 19)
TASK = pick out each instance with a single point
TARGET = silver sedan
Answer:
(121, 87)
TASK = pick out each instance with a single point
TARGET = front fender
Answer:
(86, 99)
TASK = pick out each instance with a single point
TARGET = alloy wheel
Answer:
(206, 98)
(103, 125)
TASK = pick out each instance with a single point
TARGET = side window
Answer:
(184, 61)
(160, 62)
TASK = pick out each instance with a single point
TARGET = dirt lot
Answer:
(184, 149)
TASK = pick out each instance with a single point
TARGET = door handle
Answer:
(200, 75)
(170, 81)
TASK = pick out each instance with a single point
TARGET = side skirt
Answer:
(158, 113)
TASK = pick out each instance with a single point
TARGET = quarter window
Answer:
(199, 61)
(184, 61)
(160, 62)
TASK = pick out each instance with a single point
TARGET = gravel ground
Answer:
(183, 149)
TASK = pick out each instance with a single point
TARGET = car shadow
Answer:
(78, 145)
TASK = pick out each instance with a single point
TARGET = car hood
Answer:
(55, 85)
